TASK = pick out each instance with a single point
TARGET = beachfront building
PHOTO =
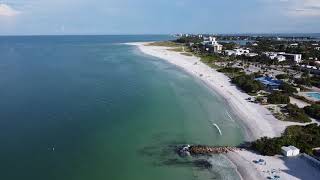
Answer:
(230, 52)
(282, 56)
(252, 54)
(271, 55)
(286, 151)
(290, 151)
(269, 82)
(297, 58)
(295, 151)
(237, 52)
(294, 45)
(212, 43)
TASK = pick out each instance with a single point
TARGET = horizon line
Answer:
(161, 34)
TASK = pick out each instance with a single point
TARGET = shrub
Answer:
(278, 98)
(247, 83)
(313, 111)
(287, 88)
(296, 114)
(282, 76)
(230, 70)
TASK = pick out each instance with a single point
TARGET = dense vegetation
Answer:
(232, 71)
(313, 111)
(304, 80)
(191, 39)
(315, 81)
(296, 114)
(309, 81)
(304, 48)
(287, 88)
(247, 83)
(303, 137)
(278, 98)
(282, 76)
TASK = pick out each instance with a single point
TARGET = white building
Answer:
(317, 48)
(295, 151)
(252, 54)
(217, 48)
(290, 151)
(294, 45)
(241, 51)
(230, 52)
(281, 58)
(286, 151)
(211, 41)
(271, 55)
(294, 57)
(238, 52)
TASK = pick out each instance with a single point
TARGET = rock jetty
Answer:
(187, 150)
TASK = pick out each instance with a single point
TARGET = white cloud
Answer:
(310, 12)
(6, 10)
(312, 3)
(297, 8)
(307, 8)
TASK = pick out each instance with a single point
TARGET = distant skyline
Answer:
(55, 17)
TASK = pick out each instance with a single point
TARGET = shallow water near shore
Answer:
(89, 107)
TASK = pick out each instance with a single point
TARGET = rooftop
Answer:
(269, 81)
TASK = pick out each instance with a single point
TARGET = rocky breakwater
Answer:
(188, 150)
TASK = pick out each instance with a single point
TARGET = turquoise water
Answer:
(314, 95)
(88, 107)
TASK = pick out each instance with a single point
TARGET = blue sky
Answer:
(158, 16)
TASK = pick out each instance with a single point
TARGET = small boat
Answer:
(218, 128)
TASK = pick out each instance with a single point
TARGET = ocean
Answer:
(91, 107)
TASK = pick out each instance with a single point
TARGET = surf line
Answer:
(228, 114)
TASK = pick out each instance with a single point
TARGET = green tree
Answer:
(313, 111)
(278, 98)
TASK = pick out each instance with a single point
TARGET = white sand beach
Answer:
(256, 119)
(287, 168)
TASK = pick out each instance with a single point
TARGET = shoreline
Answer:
(255, 119)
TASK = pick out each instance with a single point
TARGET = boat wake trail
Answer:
(218, 128)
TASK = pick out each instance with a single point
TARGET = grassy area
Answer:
(177, 49)
(187, 54)
(164, 43)
(209, 58)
